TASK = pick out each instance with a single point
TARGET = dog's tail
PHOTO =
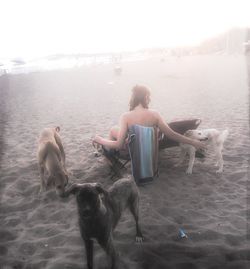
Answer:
(224, 135)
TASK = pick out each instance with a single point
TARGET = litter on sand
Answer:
(182, 234)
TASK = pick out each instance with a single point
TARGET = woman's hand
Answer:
(98, 139)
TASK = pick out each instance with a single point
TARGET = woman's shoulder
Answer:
(126, 114)
(154, 112)
(133, 113)
(125, 117)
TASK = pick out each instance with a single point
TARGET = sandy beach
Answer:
(40, 231)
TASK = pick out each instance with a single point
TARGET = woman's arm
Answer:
(117, 144)
(177, 137)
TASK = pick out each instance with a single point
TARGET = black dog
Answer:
(100, 210)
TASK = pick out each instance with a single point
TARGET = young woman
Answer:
(140, 114)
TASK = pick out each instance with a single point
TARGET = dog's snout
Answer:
(204, 139)
(86, 212)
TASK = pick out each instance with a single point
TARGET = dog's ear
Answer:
(57, 129)
(188, 133)
(100, 189)
(73, 189)
(102, 194)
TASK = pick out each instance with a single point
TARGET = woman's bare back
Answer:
(141, 116)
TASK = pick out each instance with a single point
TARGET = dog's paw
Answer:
(139, 239)
(39, 191)
(189, 171)
(42, 189)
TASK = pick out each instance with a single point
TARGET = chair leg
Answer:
(115, 164)
(117, 168)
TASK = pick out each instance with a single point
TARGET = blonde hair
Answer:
(139, 94)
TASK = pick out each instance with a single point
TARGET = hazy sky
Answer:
(31, 28)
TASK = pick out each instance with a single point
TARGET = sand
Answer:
(41, 231)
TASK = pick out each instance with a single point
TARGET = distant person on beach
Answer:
(140, 114)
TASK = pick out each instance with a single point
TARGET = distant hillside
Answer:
(234, 41)
(231, 41)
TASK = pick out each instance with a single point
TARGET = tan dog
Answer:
(51, 158)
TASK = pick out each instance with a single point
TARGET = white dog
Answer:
(214, 140)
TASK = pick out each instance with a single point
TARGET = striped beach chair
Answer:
(142, 150)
